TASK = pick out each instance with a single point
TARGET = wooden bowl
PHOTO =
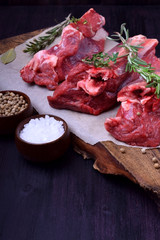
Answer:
(44, 152)
(8, 124)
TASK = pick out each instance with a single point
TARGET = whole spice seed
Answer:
(156, 165)
(122, 150)
(138, 114)
(11, 103)
(143, 150)
(154, 159)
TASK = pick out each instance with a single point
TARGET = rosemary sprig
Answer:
(74, 20)
(44, 41)
(101, 59)
(134, 63)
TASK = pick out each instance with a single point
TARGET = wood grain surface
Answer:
(12, 42)
(109, 159)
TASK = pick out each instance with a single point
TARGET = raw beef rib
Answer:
(78, 40)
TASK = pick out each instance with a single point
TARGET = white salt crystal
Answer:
(42, 130)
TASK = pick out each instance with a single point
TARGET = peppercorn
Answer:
(156, 165)
(143, 150)
(11, 103)
(154, 159)
(122, 150)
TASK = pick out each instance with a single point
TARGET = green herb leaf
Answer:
(8, 56)
(134, 63)
(44, 41)
(74, 20)
(85, 22)
(101, 59)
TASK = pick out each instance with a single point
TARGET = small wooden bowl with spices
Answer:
(42, 138)
(14, 107)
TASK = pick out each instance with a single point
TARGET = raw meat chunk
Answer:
(78, 40)
(94, 90)
(138, 118)
(69, 96)
(89, 23)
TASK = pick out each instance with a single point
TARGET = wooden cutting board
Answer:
(109, 158)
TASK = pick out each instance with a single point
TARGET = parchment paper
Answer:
(87, 127)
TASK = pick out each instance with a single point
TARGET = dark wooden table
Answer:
(68, 199)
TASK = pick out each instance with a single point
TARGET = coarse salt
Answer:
(42, 130)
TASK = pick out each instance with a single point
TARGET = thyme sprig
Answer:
(44, 41)
(101, 59)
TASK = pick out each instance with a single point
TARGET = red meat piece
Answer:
(49, 67)
(69, 96)
(95, 90)
(89, 23)
(138, 119)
